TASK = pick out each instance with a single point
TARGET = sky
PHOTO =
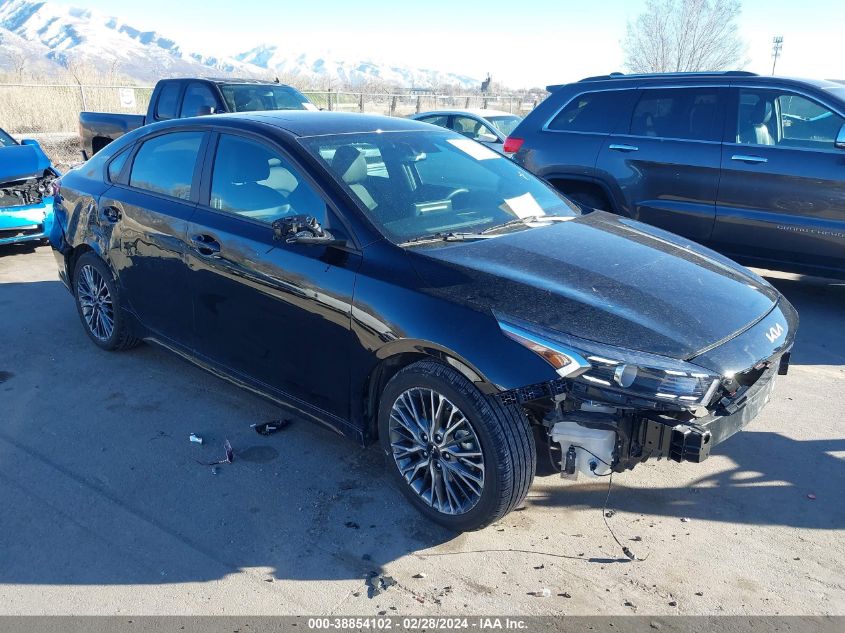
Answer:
(522, 44)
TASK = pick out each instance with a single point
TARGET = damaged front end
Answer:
(26, 194)
(613, 409)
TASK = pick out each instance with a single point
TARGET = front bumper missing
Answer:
(644, 434)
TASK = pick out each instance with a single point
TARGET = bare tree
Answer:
(685, 36)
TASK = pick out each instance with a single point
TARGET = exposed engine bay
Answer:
(580, 431)
(27, 191)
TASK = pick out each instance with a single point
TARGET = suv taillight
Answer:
(512, 144)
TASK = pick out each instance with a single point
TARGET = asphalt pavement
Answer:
(106, 510)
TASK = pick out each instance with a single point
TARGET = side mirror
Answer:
(839, 143)
(205, 110)
(303, 229)
(487, 138)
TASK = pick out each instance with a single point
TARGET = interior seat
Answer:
(754, 129)
(351, 165)
(237, 182)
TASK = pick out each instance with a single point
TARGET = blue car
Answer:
(26, 191)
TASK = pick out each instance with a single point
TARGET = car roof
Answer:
(692, 78)
(317, 123)
(482, 112)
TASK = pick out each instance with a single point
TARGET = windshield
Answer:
(505, 124)
(254, 97)
(427, 183)
(6, 140)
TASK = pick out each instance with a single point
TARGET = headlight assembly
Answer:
(625, 371)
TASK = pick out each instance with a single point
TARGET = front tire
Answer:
(98, 304)
(463, 459)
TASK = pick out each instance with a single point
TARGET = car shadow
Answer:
(101, 484)
(774, 480)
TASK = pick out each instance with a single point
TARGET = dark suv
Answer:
(752, 166)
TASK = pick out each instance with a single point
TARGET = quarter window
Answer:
(116, 165)
(255, 181)
(165, 164)
(168, 101)
(590, 112)
(677, 113)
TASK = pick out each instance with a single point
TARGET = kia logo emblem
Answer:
(774, 332)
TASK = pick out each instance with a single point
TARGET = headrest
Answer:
(350, 164)
(761, 113)
(252, 166)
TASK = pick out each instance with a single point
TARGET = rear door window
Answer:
(198, 96)
(165, 164)
(591, 112)
(440, 119)
(167, 106)
(677, 113)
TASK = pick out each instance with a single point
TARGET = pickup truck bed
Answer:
(187, 97)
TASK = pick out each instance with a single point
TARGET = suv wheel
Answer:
(98, 304)
(463, 459)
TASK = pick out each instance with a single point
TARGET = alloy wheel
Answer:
(96, 302)
(436, 450)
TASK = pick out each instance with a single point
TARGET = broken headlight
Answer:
(625, 371)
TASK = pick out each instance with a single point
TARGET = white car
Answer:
(490, 127)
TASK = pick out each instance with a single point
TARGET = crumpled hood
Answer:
(22, 161)
(602, 278)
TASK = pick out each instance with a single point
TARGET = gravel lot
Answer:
(106, 510)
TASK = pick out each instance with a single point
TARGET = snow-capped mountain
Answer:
(50, 36)
(272, 58)
(69, 33)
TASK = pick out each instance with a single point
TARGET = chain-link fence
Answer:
(38, 108)
(55, 108)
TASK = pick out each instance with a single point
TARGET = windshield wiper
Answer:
(529, 220)
(447, 237)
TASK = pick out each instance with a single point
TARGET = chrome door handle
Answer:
(205, 245)
(746, 158)
(621, 147)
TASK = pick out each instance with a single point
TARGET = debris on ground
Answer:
(685, 520)
(636, 539)
(699, 593)
(268, 428)
(230, 456)
(811, 497)
(654, 625)
(545, 593)
(540, 566)
(565, 594)
(377, 583)
(609, 513)
(419, 575)
(196, 439)
(673, 603)
(353, 525)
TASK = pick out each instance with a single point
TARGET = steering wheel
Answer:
(456, 192)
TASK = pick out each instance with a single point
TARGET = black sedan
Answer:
(406, 284)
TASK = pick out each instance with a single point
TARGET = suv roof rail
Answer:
(618, 75)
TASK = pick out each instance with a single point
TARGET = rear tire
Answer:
(589, 200)
(98, 304)
(467, 465)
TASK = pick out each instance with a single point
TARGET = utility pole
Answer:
(777, 45)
